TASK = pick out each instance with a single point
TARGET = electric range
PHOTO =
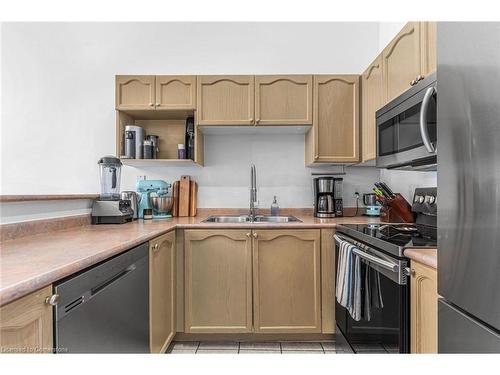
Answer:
(380, 247)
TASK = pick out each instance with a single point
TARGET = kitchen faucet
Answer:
(253, 192)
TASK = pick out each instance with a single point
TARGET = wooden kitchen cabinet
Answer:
(162, 291)
(175, 92)
(424, 315)
(225, 100)
(287, 279)
(334, 137)
(218, 281)
(135, 92)
(283, 100)
(372, 100)
(401, 61)
(26, 324)
(428, 40)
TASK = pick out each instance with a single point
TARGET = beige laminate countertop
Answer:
(30, 263)
(424, 256)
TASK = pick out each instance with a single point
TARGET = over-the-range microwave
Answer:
(407, 129)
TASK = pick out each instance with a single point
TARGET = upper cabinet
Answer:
(135, 92)
(428, 40)
(372, 100)
(283, 100)
(334, 137)
(225, 100)
(401, 61)
(408, 58)
(175, 92)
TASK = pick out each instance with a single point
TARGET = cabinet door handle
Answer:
(157, 104)
(248, 235)
(156, 247)
(316, 157)
(412, 272)
(53, 300)
(254, 234)
(257, 120)
(151, 104)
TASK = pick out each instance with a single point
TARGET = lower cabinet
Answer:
(286, 276)
(218, 281)
(424, 314)
(264, 281)
(162, 290)
(26, 324)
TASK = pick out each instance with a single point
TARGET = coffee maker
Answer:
(109, 208)
(328, 197)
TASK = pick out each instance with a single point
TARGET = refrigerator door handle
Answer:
(431, 91)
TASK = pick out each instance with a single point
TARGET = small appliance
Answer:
(132, 197)
(134, 138)
(406, 129)
(381, 247)
(190, 138)
(372, 207)
(155, 140)
(109, 208)
(328, 197)
(155, 195)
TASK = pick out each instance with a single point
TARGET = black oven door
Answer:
(406, 129)
(388, 330)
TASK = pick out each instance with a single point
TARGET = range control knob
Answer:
(419, 199)
(430, 199)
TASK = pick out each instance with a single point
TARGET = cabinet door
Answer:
(286, 275)
(283, 100)
(225, 100)
(26, 324)
(401, 61)
(428, 41)
(218, 281)
(175, 92)
(335, 132)
(162, 289)
(372, 100)
(135, 92)
(424, 314)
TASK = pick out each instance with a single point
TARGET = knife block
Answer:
(399, 208)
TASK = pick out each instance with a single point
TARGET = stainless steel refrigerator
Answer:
(468, 97)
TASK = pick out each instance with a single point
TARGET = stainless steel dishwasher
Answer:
(105, 309)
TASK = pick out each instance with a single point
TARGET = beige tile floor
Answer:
(230, 347)
(283, 347)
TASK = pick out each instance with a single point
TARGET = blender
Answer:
(109, 208)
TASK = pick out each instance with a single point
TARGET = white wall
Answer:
(387, 31)
(58, 95)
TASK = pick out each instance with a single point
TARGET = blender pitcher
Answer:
(109, 175)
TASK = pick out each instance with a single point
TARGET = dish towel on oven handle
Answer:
(358, 286)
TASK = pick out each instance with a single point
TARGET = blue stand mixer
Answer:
(155, 195)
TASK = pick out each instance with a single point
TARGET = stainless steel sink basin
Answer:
(227, 219)
(276, 219)
(246, 219)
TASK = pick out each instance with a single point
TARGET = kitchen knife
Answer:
(387, 189)
(386, 194)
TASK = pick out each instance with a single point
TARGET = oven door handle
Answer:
(371, 258)
(424, 133)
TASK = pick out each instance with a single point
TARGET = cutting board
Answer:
(175, 196)
(193, 193)
(184, 188)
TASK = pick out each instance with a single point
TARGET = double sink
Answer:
(248, 219)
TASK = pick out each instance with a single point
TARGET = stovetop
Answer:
(392, 238)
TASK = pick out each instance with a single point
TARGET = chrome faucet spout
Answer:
(253, 192)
